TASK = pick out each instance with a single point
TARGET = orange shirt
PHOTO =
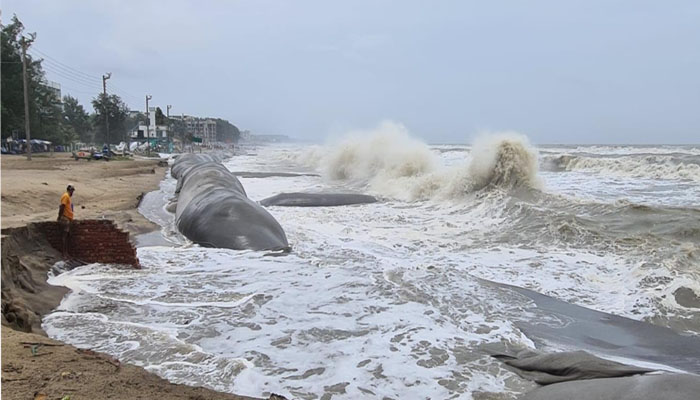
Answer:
(68, 209)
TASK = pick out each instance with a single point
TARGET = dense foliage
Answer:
(76, 120)
(117, 113)
(134, 119)
(179, 130)
(44, 107)
(160, 117)
(226, 131)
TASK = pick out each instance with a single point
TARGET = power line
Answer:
(124, 91)
(79, 77)
(62, 74)
(74, 75)
(49, 69)
(46, 63)
(121, 93)
(73, 79)
(54, 66)
(69, 89)
(66, 66)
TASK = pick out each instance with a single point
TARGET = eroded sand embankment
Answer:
(32, 363)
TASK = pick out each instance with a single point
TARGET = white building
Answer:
(151, 130)
(144, 131)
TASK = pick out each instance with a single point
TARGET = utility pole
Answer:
(24, 42)
(104, 90)
(167, 114)
(148, 125)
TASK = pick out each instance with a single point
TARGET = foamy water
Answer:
(383, 300)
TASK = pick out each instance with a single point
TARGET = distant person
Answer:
(65, 217)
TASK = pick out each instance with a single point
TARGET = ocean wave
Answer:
(388, 162)
(387, 152)
(675, 167)
(505, 160)
(621, 150)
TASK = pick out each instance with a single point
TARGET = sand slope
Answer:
(31, 191)
(34, 364)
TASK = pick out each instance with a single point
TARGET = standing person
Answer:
(65, 217)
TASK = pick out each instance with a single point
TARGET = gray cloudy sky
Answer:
(558, 71)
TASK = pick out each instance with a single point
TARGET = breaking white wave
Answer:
(387, 152)
(388, 162)
(617, 150)
(504, 160)
(675, 167)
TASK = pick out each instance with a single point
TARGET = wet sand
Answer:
(32, 364)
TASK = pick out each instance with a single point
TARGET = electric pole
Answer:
(167, 114)
(104, 90)
(24, 42)
(148, 126)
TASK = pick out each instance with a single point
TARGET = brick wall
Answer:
(93, 240)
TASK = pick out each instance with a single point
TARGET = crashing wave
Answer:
(685, 167)
(387, 152)
(389, 162)
(504, 160)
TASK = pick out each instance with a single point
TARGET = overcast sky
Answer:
(558, 71)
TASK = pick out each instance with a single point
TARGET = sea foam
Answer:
(388, 162)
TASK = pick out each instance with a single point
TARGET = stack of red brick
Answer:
(94, 240)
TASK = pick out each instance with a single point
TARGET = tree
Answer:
(48, 118)
(133, 120)
(226, 131)
(178, 128)
(11, 79)
(116, 111)
(76, 121)
(44, 107)
(160, 118)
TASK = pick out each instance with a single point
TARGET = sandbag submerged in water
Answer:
(213, 209)
(317, 199)
(583, 376)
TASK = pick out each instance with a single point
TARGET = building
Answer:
(54, 89)
(203, 128)
(134, 113)
(151, 130)
(154, 132)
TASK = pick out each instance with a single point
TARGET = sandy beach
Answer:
(103, 189)
(34, 366)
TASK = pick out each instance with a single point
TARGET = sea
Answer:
(388, 300)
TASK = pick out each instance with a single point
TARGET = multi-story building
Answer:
(203, 128)
(54, 89)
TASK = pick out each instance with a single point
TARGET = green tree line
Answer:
(60, 121)
(63, 121)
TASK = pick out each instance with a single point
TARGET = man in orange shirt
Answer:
(65, 217)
